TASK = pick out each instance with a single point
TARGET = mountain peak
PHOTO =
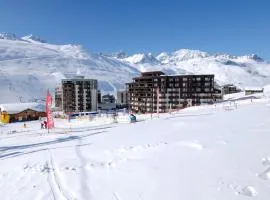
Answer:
(31, 38)
(186, 54)
(117, 55)
(256, 58)
(181, 55)
(8, 36)
(142, 58)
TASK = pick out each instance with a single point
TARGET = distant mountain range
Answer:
(29, 66)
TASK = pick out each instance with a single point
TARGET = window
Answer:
(198, 79)
(184, 95)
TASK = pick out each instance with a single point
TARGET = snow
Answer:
(203, 152)
(254, 88)
(141, 59)
(266, 90)
(234, 95)
(29, 61)
(24, 63)
(32, 38)
(242, 71)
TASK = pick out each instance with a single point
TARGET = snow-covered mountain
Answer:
(250, 70)
(29, 66)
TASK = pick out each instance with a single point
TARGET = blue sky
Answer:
(232, 26)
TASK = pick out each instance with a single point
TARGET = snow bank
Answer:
(266, 90)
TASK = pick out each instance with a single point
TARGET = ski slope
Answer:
(25, 63)
(205, 153)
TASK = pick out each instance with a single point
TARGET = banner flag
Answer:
(50, 123)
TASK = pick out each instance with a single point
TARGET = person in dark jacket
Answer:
(45, 124)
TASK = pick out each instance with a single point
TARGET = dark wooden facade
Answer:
(155, 89)
(26, 115)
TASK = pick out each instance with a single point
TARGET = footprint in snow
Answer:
(265, 175)
(248, 191)
(266, 161)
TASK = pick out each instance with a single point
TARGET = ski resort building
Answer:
(253, 90)
(230, 89)
(16, 112)
(58, 97)
(157, 92)
(78, 95)
(122, 98)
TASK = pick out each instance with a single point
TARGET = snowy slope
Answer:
(204, 153)
(29, 61)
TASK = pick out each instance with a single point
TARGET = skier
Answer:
(42, 125)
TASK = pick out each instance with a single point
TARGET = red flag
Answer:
(50, 123)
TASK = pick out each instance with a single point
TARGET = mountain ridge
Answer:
(29, 61)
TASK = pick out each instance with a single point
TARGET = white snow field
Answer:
(200, 153)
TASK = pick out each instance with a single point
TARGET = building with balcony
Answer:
(77, 95)
(157, 92)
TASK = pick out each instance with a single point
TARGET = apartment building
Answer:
(58, 97)
(157, 92)
(78, 94)
(122, 97)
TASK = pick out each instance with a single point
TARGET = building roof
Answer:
(228, 85)
(14, 108)
(187, 75)
(152, 72)
(254, 88)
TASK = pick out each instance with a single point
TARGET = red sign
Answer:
(50, 123)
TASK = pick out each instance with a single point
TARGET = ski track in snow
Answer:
(116, 196)
(83, 175)
(13, 151)
(29, 58)
(55, 182)
(120, 154)
(125, 154)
